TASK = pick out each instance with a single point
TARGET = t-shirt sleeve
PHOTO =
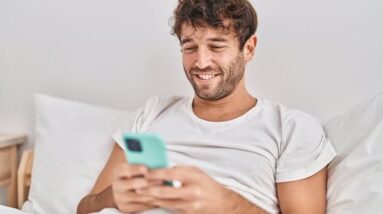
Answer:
(145, 116)
(305, 150)
(129, 125)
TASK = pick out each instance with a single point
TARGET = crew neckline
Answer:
(231, 122)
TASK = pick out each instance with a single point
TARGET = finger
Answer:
(148, 185)
(152, 183)
(184, 174)
(124, 185)
(131, 197)
(177, 205)
(126, 171)
(135, 207)
(166, 192)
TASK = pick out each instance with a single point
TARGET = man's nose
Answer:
(204, 59)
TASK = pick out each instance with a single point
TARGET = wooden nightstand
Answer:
(8, 164)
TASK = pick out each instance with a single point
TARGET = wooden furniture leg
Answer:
(12, 187)
(24, 177)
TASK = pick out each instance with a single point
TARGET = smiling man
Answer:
(233, 153)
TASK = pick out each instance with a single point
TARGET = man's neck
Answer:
(228, 108)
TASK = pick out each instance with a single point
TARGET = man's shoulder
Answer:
(153, 108)
(157, 105)
(161, 102)
(287, 115)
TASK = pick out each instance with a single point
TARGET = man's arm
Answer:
(199, 193)
(304, 196)
(96, 202)
(101, 195)
(239, 204)
(297, 197)
(115, 187)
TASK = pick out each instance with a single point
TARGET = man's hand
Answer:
(199, 192)
(127, 179)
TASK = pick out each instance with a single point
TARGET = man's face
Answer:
(212, 61)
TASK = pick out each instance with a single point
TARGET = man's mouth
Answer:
(206, 76)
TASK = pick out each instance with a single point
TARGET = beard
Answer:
(229, 78)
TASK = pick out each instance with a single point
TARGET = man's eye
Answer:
(217, 48)
(189, 49)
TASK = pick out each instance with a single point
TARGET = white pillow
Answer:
(73, 143)
(355, 182)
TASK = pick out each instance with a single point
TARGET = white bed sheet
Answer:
(8, 210)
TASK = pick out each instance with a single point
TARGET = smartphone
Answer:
(146, 149)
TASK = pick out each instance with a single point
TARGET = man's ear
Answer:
(249, 48)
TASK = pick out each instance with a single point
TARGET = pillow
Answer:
(355, 179)
(73, 142)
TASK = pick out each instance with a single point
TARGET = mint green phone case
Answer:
(146, 149)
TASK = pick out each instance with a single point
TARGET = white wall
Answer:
(319, 56)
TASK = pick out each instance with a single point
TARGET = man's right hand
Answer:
(127, 179)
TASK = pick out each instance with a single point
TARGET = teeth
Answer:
(205, 76)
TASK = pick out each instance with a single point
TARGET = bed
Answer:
(73, 141)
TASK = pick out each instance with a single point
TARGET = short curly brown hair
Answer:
(212, 13)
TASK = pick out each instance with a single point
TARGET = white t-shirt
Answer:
(250, 154)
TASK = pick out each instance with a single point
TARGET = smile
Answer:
(206, 76)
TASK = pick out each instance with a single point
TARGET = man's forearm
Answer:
(96, 202)
(240, 205)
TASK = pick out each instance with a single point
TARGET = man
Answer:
(233, 153)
